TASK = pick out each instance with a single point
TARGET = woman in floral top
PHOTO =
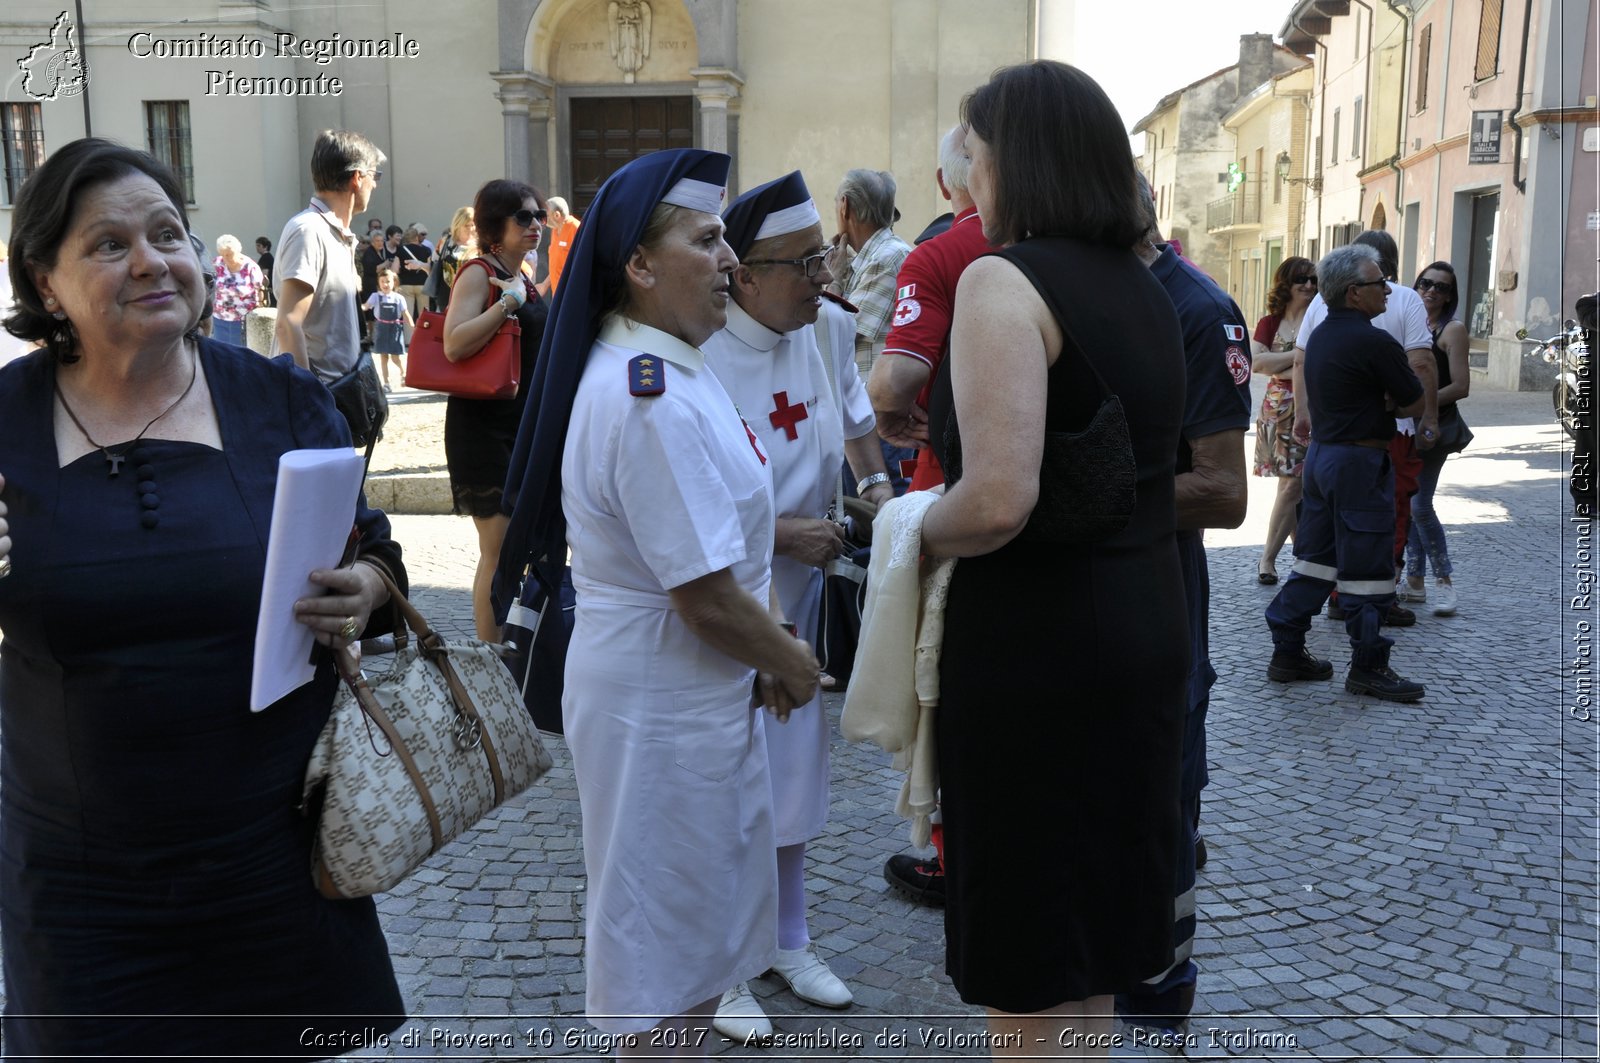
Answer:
(1277, 453)
(239, 284)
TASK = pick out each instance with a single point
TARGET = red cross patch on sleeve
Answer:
(1238, 365)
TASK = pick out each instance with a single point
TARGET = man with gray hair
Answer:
(866, 216)
(925, 298)
(1407, 321)
(918, 340)
(1357, 382)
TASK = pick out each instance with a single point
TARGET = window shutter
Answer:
(1488, 40)
(1424, 54)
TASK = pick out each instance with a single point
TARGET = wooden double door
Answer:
(608, 132)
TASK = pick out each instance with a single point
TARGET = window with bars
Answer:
(1488, 41)
(22, 134)
(1424, 55)
(166, 130)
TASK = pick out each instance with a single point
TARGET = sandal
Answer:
(1266, 577)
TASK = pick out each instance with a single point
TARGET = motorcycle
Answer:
(1568, 351)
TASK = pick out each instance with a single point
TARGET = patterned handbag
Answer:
(410, 761)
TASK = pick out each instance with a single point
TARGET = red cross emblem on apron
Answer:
(787, 416)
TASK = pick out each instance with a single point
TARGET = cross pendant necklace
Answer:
(115, 458)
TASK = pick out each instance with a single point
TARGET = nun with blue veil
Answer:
(632, 456)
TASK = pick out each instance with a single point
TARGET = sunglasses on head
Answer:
(1442, 287)
(1304, 278)
(526, 218)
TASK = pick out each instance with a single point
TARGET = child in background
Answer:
(391, 320)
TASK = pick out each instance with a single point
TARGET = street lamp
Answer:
(1283, 161)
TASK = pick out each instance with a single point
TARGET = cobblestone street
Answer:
(1384, 882)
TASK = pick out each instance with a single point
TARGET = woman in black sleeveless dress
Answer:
(479, 433)
(1062, 676)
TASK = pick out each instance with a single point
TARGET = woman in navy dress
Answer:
(155, 887)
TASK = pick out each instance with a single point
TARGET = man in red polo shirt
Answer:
(919, 332)
(919, 339)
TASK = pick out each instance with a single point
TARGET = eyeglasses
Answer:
(1304, 278)
(377, 175)
(812, 264)
(526, 218)
(1444, 288)
(1366, 284)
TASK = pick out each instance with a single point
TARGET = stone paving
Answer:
(1385, 882)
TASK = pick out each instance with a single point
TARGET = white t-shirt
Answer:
(317, 250)
(1405, 318)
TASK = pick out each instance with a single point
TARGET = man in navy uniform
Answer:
(1211, 492)
(1357, 382)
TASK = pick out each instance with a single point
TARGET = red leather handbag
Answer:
(492, 373)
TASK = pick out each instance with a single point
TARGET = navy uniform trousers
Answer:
(1164, 1003)
(1344, 538)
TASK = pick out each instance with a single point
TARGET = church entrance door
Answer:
(610, 131)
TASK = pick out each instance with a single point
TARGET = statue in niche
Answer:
(630, 36)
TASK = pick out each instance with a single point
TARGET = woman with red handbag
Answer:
(479, 433)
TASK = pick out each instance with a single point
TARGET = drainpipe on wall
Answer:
(1393, 161)
(1322, 114)
(83, 57)
(1517, 179)
(1365, 119)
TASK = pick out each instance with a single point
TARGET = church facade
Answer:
(556, 92)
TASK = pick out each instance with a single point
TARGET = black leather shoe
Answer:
(1398, 616)
(916, 879)
(1292, 667)
(1199, 853)
(1383, 683)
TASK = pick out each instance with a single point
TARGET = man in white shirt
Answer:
(1406, 319)
(315, 272)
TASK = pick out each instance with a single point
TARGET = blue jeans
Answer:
(228, 331)
(1425, 543)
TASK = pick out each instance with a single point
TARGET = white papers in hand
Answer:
(312, 512)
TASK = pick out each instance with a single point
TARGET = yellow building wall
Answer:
(837, 84)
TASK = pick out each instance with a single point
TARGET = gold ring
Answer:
(348, 630)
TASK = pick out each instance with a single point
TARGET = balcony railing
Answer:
(1236, 208)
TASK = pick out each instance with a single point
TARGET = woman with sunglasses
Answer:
(479, 433)
(1277, 453)
(1425, 543)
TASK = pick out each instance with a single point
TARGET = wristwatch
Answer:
(871, 481)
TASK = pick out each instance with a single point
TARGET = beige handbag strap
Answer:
(470, 730)
(351, 673)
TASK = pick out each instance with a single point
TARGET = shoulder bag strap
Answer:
(1018, 258)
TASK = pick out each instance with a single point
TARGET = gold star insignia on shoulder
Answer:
(643, 379)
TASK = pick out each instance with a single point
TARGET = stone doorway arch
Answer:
(554, 51)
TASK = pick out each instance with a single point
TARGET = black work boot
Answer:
(1382, 682)
(1288, 667)
(916, 878)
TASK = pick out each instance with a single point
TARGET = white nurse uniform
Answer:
(780, 385)
(671, 762)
